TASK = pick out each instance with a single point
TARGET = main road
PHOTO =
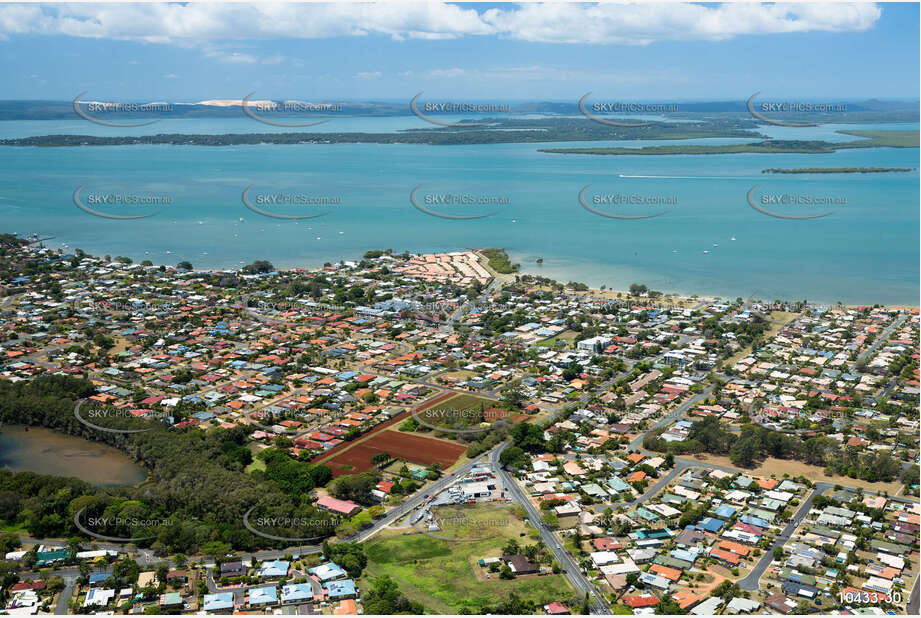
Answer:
(573, 572)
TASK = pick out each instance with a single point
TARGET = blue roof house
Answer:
(218, 601)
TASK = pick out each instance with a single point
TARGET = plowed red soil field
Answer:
(416, 449)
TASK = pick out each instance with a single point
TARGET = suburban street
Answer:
(576, 578)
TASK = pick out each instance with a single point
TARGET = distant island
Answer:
(872, 139)
(837, 170)
(493, 131)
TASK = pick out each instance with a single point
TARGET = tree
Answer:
(514, 457)
(637, 289)
(512, 398)
(385, 598)
(356, 487)
(259, 266)
(668, 606)
(215, 549)
(743, 452)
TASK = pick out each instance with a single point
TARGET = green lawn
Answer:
(464, 402)
(566, 337)
(257, 464)
(441, 574)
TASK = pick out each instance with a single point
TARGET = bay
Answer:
(866, 252)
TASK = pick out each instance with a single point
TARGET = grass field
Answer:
(460, 374)
(567, 337)
(443, 575)
(462, 402)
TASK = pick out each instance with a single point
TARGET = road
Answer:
(675, 414)
(572, 570)
(680, 466)
(61, 608)
(883, 338)
(913, 605)
(750, 581)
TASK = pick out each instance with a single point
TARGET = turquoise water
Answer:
(866, 252)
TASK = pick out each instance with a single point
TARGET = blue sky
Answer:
(488, 51)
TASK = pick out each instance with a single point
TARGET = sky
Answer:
(498, 51)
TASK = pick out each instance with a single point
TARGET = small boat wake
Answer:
(679, 177)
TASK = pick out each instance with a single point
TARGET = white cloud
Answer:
(641, 24)
(369, 75)
(625, 24)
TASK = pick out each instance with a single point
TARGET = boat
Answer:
(733, 238)
(705, 251)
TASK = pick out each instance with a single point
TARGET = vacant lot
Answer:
(456, 411)
(459, 402)
(442, 575)
(779, 467)
(566, 337)
(409, 447)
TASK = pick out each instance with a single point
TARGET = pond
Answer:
(45, 451)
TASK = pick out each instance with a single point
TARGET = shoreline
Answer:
(674, 294)
(528, 267)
